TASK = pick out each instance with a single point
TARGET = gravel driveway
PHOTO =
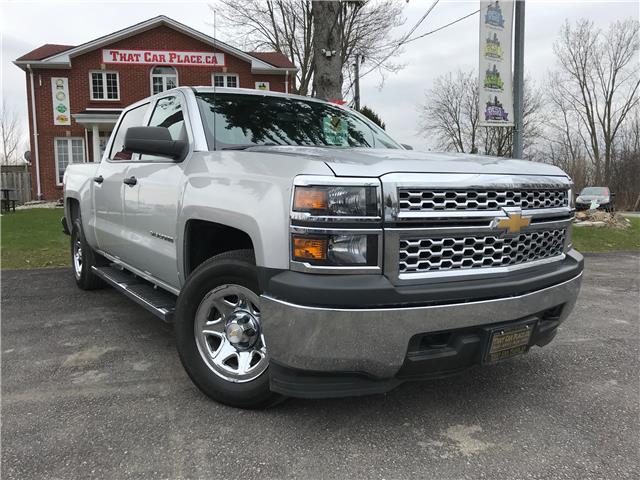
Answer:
(92, 388)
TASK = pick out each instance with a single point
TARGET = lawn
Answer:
(33, 238)
(594, 239)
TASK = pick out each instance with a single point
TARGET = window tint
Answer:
(133, 118)
(238, 120)
(168, 114)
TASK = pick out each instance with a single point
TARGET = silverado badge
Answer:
(514, 223)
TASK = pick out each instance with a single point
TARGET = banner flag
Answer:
(495, 85)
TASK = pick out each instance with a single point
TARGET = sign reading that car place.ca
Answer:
(494, 83)
(60, 99)
(162, 57)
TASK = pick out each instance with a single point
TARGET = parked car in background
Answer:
(601, 195)
(300, 251)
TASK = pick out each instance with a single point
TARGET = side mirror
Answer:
(154, 141)
(612, 194)
(407, 147)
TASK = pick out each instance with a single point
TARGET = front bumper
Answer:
(373, 343)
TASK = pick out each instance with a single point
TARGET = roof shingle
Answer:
(44, 51)
(276, 59)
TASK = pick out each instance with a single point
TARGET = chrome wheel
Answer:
(228, 335)
(77, 257)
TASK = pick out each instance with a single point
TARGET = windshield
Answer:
(236, 121)
(595, 191)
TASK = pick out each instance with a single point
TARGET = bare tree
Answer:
(596, 86)
(10, 135)
(287, 26)
(328, 29)
(450, 117)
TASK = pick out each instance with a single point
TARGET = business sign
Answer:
(262, 85)
(162, 57)
(495, 82)
(60, 99)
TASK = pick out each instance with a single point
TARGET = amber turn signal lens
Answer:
(309, 248)
(309, 198)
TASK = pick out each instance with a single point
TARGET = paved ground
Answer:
(93, 388)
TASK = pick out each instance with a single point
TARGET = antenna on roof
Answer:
(215, 55)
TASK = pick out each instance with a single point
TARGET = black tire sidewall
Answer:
(230, 268)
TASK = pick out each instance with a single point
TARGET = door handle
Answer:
(131, 181)
(98, 179)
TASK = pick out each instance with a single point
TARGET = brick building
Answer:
(76, 93)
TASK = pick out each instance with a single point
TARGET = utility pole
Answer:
(518, 81)
(356, 85)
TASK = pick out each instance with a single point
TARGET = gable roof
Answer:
(44, 51)
(51, 57)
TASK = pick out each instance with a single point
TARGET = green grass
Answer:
(33, 239)
(595, 239)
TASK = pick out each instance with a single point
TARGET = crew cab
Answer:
(301, 251)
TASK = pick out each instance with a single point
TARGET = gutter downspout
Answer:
(34, 127)
(286, 81)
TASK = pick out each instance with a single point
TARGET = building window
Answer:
(105, 86)
(68, 150)
(225, 80)
(163, 78)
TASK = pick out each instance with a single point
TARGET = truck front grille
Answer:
(421, 200)
(418, 255)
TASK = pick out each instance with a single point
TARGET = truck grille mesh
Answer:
(465, 252)
(421, 200)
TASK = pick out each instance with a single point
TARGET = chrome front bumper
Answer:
(374, 341)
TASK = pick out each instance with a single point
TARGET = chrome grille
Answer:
(417, 255)
(422, 200)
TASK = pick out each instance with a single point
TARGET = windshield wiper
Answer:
(244, 147)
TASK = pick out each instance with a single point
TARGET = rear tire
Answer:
(83, 257)
(217, 331)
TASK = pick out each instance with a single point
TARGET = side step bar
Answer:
(156, 300)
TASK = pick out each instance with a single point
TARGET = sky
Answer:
(25, 25)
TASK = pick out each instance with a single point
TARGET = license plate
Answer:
(508, 342)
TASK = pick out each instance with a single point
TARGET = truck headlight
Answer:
(335, 250)
(336, 201)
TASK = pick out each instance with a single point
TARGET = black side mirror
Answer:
(154, 141)
(407, 147)
(612, 194)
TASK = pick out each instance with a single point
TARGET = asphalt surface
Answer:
(92, 387)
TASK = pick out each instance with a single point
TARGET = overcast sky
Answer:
(25, 25)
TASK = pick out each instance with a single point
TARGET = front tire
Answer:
(218, 332)
(83, 257)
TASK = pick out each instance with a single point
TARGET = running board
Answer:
(156, 300)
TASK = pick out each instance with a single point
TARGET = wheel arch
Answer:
(204, 239)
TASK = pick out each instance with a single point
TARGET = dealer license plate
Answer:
(508, 342)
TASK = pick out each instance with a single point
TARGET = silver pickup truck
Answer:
(300, 251)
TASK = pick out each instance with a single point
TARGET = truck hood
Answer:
(370, 162)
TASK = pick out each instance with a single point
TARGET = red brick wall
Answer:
(135, 84)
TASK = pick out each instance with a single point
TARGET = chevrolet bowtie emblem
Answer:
(514, 223)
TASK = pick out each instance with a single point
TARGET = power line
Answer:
(442, 27)
(403, 40)
(406, 40)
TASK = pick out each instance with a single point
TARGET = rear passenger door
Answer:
(151, 206)
(108, 187)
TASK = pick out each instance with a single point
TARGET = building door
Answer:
(109, 189)
(151, 206)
